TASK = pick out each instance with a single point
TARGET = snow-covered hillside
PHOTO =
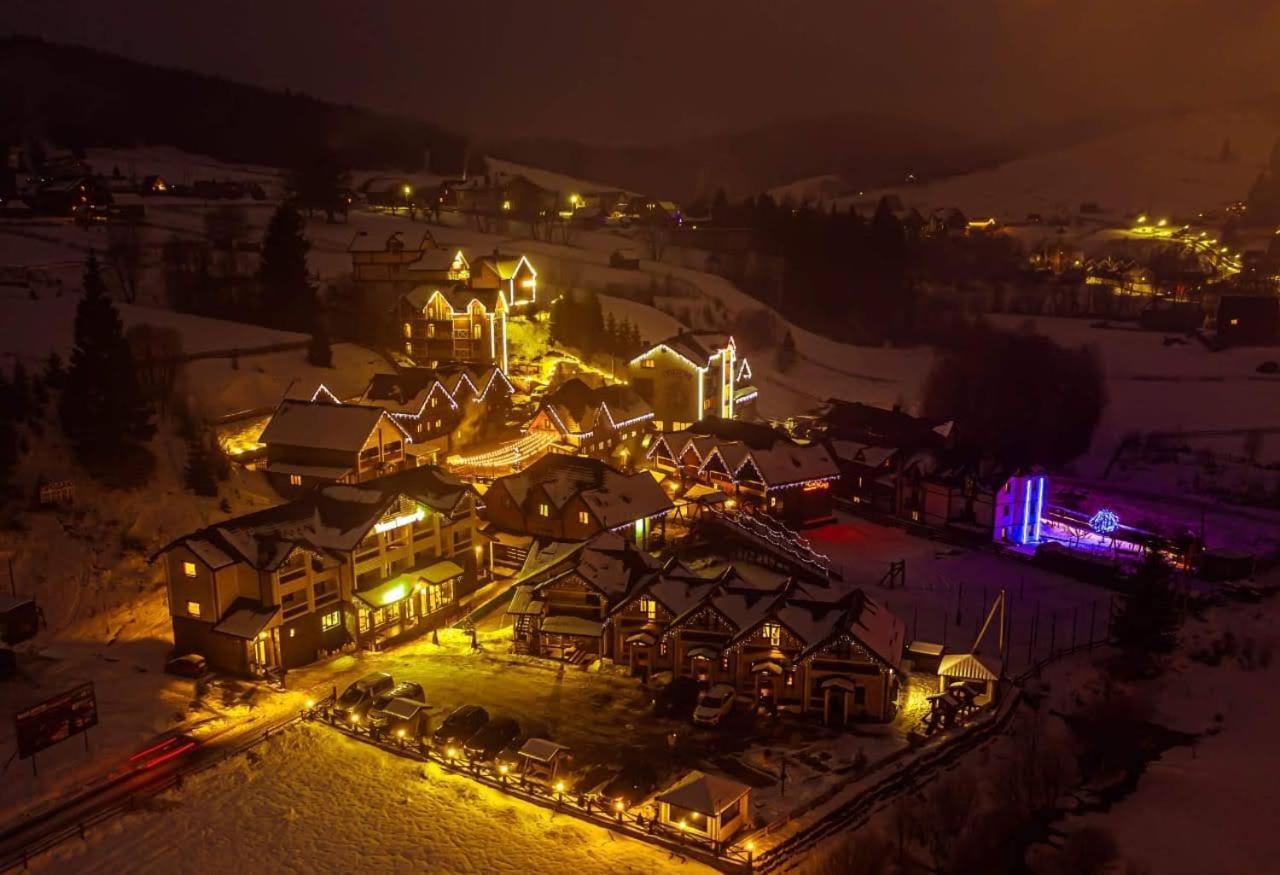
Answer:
(1172, 166)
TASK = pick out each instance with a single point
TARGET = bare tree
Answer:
(124, 257)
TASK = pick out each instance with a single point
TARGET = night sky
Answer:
(651, 71)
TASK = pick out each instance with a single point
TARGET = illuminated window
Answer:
(649, 608)
(295, 479)
(475, 332)
(408, 329)
(193, 608)
(331, 620)
(431, 331)
(915, 515)
(544, 510)
(1235, 322)
(584, 517)
(293, 633)
(408, 348)
(772, 633)
(189, 569)
(791, 679)
(648, 363)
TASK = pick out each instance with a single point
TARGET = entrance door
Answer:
(835, 707)
(640, 661)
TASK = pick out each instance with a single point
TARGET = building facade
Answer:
(608, 423)
(691, 376)
(309, 443)
(439, 326)
(363, 565)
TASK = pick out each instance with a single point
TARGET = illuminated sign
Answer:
(398, 521)
(394, 594)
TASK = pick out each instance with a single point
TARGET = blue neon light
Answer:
(1104, 522)
(1039, 505)
(1026, 512)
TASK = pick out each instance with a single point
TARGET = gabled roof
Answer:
(613, 498)
(697, 347)
(363, 241)
(576, 408)
(439, 260)
(613, 566)
(459, 297)
(323, 425)
(708, 795)
(505, 266)
(330, 521)
(789, 463)
(410, 389)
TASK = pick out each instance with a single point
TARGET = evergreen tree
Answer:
(199, 474)
(611, 337)
(786, 357)
(102, 409)
(288, 298)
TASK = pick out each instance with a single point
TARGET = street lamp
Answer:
(559, 791)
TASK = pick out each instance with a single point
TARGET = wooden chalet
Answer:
(755, 465)
(778, 643)
(309, 443)
(443, 409)
(691, 376)
(574, 498)
(605, 422)
(346, 565)
(454, 324)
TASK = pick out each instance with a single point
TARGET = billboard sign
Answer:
(56, 719)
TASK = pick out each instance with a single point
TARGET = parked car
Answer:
(676, 699)
(357, 699)
(490, 741)
(714, 704)
(458, 728)
(188, 665)
(379, 720)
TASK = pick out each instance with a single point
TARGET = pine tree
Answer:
(786, 357)
(288, 298)
(611, 335)
(103, 412)
(199, 474)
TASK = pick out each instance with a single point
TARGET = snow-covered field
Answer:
(311, 800)
(1210, 807)
(1171, 166)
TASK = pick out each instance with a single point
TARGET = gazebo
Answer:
(705, 806)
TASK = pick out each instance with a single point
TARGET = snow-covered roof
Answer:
(708, 795)
(696, 346)
(576, 408)
(790, 463)
(567, 624)
(439, 260)
(863, 454)
(613, 498)
(323, 425)
(969, 667)
(245, 619)
(542, 749)
(331, 520)
(458, 297)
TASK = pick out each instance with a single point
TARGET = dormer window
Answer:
(649, 608)
(772, 633)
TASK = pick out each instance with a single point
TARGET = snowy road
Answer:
(311, 800)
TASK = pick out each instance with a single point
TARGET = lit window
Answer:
(189, 569)
(772, 633)
(295, 479)
(293, 633)
(648, 363)
(475, 332)
(584, 517)
(193, 608)
(649, 608)
(408, 348)
(1235, 322)
(408, 330)
(331, 620)
(915, 515)
(544, 510)
(791, 679)
(431, 331)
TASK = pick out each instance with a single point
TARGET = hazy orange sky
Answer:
(652, 70)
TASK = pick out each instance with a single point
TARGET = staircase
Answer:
(788, 548)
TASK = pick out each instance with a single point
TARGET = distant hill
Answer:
(81, 97)
(864, 150)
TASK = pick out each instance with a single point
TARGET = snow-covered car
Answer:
(357, 699)
(188, 665)
(457, 729)
(714, 704)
